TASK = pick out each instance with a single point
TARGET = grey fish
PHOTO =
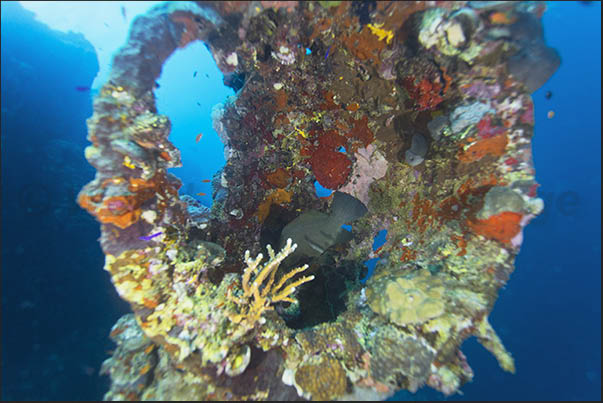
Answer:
(314, 232)
(534, 65)
(535, 62)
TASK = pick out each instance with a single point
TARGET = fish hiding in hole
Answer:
(314, 232)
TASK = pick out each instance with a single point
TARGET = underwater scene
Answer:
(299, 200)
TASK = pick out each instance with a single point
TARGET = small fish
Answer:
(548, 95)
(165, 155)
(82, 88)
(206, 180)
(195, 74)
(107, 25)
(145, 369)
(149, 237)
(116, 332)
(201, 194)
(501, 18)
(206, 75)
(156, 84)
(198, 137)
(123, 12)
(198, 104)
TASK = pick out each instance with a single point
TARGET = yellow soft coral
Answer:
(257, 295)
(381, 33)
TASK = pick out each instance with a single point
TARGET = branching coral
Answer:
(258, 296)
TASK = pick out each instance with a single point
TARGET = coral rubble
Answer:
(420, 110)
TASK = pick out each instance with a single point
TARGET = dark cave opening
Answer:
(324, 298)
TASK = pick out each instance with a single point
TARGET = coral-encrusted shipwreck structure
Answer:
(421, 112)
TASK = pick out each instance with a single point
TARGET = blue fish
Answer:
(149, 237)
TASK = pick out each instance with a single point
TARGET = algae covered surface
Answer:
(422, 113)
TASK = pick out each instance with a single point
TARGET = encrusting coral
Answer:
(411, 299)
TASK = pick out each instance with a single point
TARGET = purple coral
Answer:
(480, 90)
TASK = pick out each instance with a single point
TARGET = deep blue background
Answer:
(549, 315)
(58, 305)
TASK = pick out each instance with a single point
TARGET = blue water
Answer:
(187, 98)
(58, 305)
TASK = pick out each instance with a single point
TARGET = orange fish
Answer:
(116, 332)
(206, 180)
(199, 137)
(165, 156)
(501, 18)
(201, 194)
(145, 369)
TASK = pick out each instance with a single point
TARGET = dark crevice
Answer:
(324, 298)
